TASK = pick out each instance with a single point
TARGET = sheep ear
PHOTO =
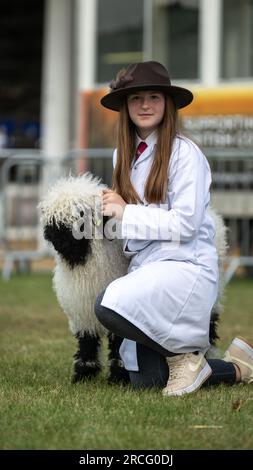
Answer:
(97, 216)
(97, 219)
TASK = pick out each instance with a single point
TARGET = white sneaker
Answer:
(240, 352)
(187, 372)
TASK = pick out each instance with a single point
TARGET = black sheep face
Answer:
(74, 243)
(73, 250)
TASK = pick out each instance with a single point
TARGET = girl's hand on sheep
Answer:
(112, 204)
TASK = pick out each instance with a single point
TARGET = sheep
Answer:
(85, 264)
(87, 260)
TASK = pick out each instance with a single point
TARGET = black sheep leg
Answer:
(117, 372)
(213, 335)
(86, 359)
(213, 352)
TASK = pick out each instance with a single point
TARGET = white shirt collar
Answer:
(150, 140)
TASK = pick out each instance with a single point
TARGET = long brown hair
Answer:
(157, 181)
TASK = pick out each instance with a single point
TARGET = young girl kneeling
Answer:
(160, 194)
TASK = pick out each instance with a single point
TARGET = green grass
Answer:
(40, 409)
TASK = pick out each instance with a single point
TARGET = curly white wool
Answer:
(222, 248)
(76, 289)
(67, 197)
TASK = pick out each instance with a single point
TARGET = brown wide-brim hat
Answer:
(144, 76)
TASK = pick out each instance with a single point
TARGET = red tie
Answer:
(140, 149)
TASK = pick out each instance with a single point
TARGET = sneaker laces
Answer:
(176, 371)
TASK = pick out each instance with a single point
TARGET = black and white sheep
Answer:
(86, 262)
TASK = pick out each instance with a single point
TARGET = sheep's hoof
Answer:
(118, 374)
(84, 370)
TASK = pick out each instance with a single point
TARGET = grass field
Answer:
(40, 409)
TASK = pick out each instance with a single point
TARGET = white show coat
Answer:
(172, 280)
